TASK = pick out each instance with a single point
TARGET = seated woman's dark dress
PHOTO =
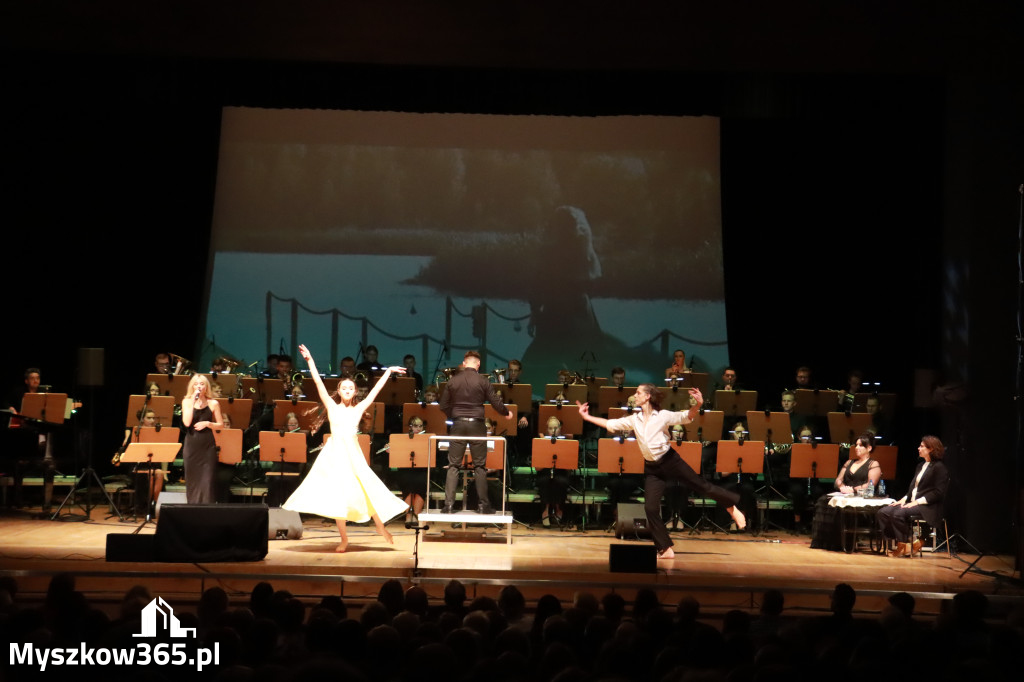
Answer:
(826, 530)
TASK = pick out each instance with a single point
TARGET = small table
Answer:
(853, 508)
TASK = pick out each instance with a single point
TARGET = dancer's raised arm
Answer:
(325, 396)
(380, 385)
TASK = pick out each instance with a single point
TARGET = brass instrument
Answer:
(186, 364)
(499, 374)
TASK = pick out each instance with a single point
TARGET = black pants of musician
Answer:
(457, 451)
(894, 522)
(656, 476)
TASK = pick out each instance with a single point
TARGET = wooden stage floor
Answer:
(721, 570)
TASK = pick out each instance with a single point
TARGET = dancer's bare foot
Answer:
(342, 546)
(738, 517)
(667, 553)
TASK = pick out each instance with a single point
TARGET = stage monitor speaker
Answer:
(284, 524)
(131, 547)
(631, 521)
(202, 533)
(169, 497)
(90, 366)
(632, 558)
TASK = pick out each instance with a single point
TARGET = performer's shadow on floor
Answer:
(317, 547)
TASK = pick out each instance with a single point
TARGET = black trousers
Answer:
(894, 522)
(456, 452)
(671, 467)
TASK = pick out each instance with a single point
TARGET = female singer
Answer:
(855, 475)
(200, 412)
(341, 485)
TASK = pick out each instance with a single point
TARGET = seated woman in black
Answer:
(855, 475)
(927, 492)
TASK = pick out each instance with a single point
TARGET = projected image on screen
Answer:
(568, 243)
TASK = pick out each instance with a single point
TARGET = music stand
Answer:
(613, 396)
(376, 412)
(735, 403)
(229, 445)
(239, 409)
(492, 414)
(676, 397)
(405, 452)
(620, 412)
(173, 385)
(688, 380)
(806, 458)
(555, 453)
(691, 452)
(886, 401)
(816, 402)
(282, 447)
(228, 383)
(398, 390)
(520, 394)
(571, 392)
(619, 456)
(45, 407)
(154, 434)
(854, 424)
(433, 418)
(594, 385)
(705, 427)
(886, 456)
(774, 429)
(568, 415)
(150, 453)
(740, 457)
(263, 390)
(162, 406)
(305, 412)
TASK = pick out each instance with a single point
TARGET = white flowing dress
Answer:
(341, 484)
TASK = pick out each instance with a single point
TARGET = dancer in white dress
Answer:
(341, 484)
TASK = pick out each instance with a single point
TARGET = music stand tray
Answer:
(173, 385)
(240, 410)
(560, 454)
(771, 428)
(688, 380)
(433, 418)
(815, 403)
(620, 412)
(571, 392)
(410, 453)
(569, 415)
(520, 394)
(843, 428)
(690, 452)
(162, 405)
(735, 403)
(676, 398)
(305, 412)
(263, 390)
(229, 445)
(277, 446)
(806, 459)
(619, 457)
(740, 457)
(705, 427)
(44, 407)
(613, 396)
(228, 383)
(398, 390)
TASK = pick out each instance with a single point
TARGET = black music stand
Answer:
(150, 453)
(554, 453)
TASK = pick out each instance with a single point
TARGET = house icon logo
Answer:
(158, 619)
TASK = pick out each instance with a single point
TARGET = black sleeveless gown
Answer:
(200, 456)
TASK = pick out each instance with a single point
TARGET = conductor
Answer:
(463, 402)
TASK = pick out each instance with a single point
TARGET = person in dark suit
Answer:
(463, 402)
(924, 500)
